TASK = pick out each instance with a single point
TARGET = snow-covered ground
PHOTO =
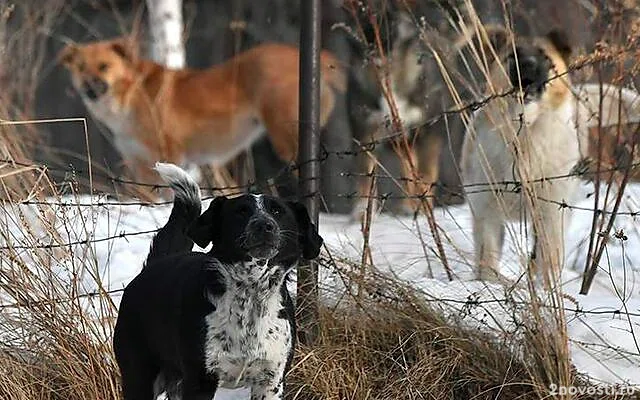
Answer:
(604, 337)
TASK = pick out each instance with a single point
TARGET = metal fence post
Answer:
(308, 155)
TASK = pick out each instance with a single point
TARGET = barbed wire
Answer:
(364, 147)
(125, 181)
(561, 204)
(87, 241)
(92, 294)
(517, 184)
(507, 186)
(470, 302)
(498, 187)
(478, 104)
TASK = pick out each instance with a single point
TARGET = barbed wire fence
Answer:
(510, 186)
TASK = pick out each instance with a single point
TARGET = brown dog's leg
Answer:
(411, 173)
(225, 182)
(279, 112)
(367, 190)
(280, 117)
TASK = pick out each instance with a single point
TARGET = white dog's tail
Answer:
(172, 237)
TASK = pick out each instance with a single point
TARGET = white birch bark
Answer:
(166, 27)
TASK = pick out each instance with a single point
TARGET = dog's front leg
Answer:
(268, 392)
(271, 388)
(366, 186)
(548, 252)
(428, 153)
(488, 234)
(199, 387)
(366, 160)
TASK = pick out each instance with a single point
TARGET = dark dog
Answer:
(192, 322)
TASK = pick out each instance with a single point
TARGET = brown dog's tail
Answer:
(172, 238)
(333, 71)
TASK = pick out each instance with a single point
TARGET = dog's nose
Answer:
(94, 88)
(263, 225)
(528, 70)
(528, 63)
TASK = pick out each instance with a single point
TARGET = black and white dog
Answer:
(191, 322)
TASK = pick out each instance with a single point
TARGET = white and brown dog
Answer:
(535, 132)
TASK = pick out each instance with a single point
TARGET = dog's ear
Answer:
(497, 37)
(124, 48)
(560, 40)
(310, 240)
(66, 55)
(205, 229)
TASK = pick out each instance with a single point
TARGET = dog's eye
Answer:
(103, 67)
(67, 59)
(275, 209)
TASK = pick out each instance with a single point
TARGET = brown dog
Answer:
(195, 117)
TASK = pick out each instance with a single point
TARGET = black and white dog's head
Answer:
(257, 227)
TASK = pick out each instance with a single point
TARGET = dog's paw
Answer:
(489, 275)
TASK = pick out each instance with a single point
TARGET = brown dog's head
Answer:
(98, 67)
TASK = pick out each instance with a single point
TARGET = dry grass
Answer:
(53, 345)
(55, 338)
(394, 345)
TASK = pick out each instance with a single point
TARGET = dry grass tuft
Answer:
(55, 337)
(405, 356)
(396, 345)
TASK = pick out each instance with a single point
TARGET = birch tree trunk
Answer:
(166, 27)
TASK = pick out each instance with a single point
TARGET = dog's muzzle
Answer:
(262, 237)
(94, 88)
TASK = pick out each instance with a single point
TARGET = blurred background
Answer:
(34, 86)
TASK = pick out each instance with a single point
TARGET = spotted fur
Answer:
(248, 343)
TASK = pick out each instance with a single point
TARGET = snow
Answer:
(602, 337)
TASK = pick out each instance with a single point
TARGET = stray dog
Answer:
(194, 117)
(416, 92)
(535, 132)
(430, 73)
(191, 322)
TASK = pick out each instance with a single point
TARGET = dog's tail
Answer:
(172, 237)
